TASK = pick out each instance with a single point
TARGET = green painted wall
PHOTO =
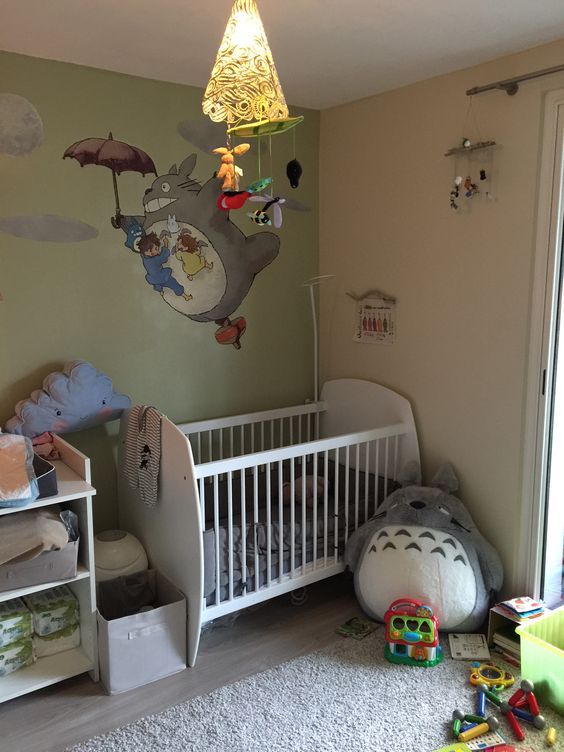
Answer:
(90, 300)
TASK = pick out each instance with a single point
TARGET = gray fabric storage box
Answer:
(139, 649)
(50, 566)
(46, 477)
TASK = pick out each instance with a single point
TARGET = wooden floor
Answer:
(54, 718)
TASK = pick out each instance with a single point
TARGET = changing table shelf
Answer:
(74, 492)
(45, 671)
(7, 595)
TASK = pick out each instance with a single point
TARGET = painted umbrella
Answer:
(116, 155)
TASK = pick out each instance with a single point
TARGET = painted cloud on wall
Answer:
(21, 127)
(49, 228)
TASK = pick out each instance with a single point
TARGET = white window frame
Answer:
(528, 562)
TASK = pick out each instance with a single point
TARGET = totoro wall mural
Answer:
(194, 256)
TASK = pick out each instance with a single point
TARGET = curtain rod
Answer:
(511, 85)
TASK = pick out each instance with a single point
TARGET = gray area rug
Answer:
(344, 698)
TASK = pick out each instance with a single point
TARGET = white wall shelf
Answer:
(74, 492)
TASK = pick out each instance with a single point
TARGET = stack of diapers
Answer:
(55, 618)
(18, 484)
(16, 644)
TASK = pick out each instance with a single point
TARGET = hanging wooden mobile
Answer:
(466, 184)
(244, 92)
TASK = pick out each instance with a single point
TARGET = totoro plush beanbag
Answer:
(423, 543)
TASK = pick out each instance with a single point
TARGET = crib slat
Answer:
(199, 447)
(280, 522)
(230, 530)
(256, 527)
(221, 443)
(262, 447)
(395, 470)
(216, 535)
(315, 503)
(268, 524)
(292, 517)
(291, 422)
(347, 499)
(356, 486)
(304, 516)
(210, 446)
(325, 505)
(243, 534)
(336, 508)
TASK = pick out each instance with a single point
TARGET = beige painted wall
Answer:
(90, 300)
(462, 280)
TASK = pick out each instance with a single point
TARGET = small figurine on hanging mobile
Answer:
(228, 171)
(470, 188)
(455, 192)
(294, 172)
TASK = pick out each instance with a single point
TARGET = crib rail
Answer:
(286, 513)
(237, 435)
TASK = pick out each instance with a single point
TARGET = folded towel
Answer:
(18, 484)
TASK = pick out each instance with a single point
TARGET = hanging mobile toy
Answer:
(470, 188)
(228, 171)
(237, 199)
(260, 217)
(455, 192)
(294, 172)
(274, 202)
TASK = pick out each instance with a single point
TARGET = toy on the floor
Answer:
(490, 724)
(523, 706)
(423, 541)
(491, 675)
(73, 399)
(412, 634)
(551, 736)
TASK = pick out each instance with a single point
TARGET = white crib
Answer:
(233, 526)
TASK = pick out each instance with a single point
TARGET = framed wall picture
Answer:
(375, 320)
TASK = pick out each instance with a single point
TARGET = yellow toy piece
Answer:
(491, 675)
(551, 736)
(228, 172)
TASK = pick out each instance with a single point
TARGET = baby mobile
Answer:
(466, 185)
(245, 93)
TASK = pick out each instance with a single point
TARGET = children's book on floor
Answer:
(469, 647)
(357, 628)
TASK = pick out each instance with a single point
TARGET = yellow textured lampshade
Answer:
(244, 83)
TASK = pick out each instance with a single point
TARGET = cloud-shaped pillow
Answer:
(75, 398)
